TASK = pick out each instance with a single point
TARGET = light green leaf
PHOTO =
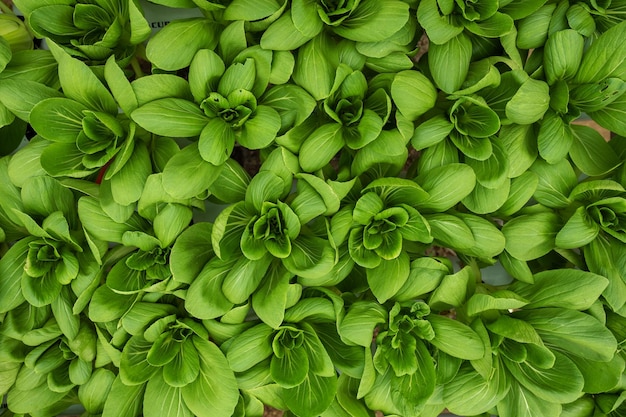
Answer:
(562, 383)
(374, 21)
(207, 284)
(572, 331)
(446, 186)
(320, 147)
(531, 236)
(556, 182)
(81, 84)
(456, 338)
(555, 138)
(312, 397)
(187, 175)
(388, 277)
(174, 46)
(498, 300)
(591, 153)
(452, 291)
(431, 132)
(11, 271)
(357, 327)
(529, 103)
(440, 28)
(412, 93)
(282, 35)
(471, 394)
(520, 402)
(520, 192)
(449, 62)
(483, 200)
(314, 71)
(171, 117)
(270, 299)
(58, 119)
(250, 347)
(20, 96)
(572, 289)
(161, 398)
(562, 55)
(604, 56)
(244, 278)
(311, 257)
(260, 130)
(578, 231)
(214, 393)
(242, 10)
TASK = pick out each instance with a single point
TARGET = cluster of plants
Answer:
(405, 149)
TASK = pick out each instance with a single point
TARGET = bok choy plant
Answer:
(328, 208)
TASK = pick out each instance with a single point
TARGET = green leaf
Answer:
(320, 147)
(562, 383)
(452, 291)
(412, 93)
(81, 84)
(282, 35)
(450, 231)
(124, 401)
(187, 175)
(520, 192)
(591, 153)
(357, 327)
(498, 300)
(58, 119)
(311, 257)
(244, 278)
(449, 62)
(555, 138)
(207, 283)
(260, 129)
(174, 46)
(388, 277)
(565, 288)
(572, 331)
(11, 271)
(312, 397)
(5, 53)
(439, 27)
(214, 393)
(191, 251)
(612, 116)
(373, 21)
(562, 55)
(290, 369)
(529, 103)
(250, 347)
(456, 338)
(471, 394)
(158, 86)
(171, 117)
(579, 230)
(520, 402)
(431, 131)
(446, 185)
(604, 56)
(120, 86)
(270, 299)
(20, 96)
(241, 10)
(314, 71)
(556, 182)
(483, 200)
(531, 236)
(162, 398)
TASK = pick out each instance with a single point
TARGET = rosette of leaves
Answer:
(55, 367)
(399, 377)
(169, 363)
(453, 25)
(225, 106)
(85, 134)
(360, 21)
(91, 30)
(292, 359)
(385, 220)
(528, 362)
(580, 82)
(48, 265)
(262, 242)
(354, 118)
